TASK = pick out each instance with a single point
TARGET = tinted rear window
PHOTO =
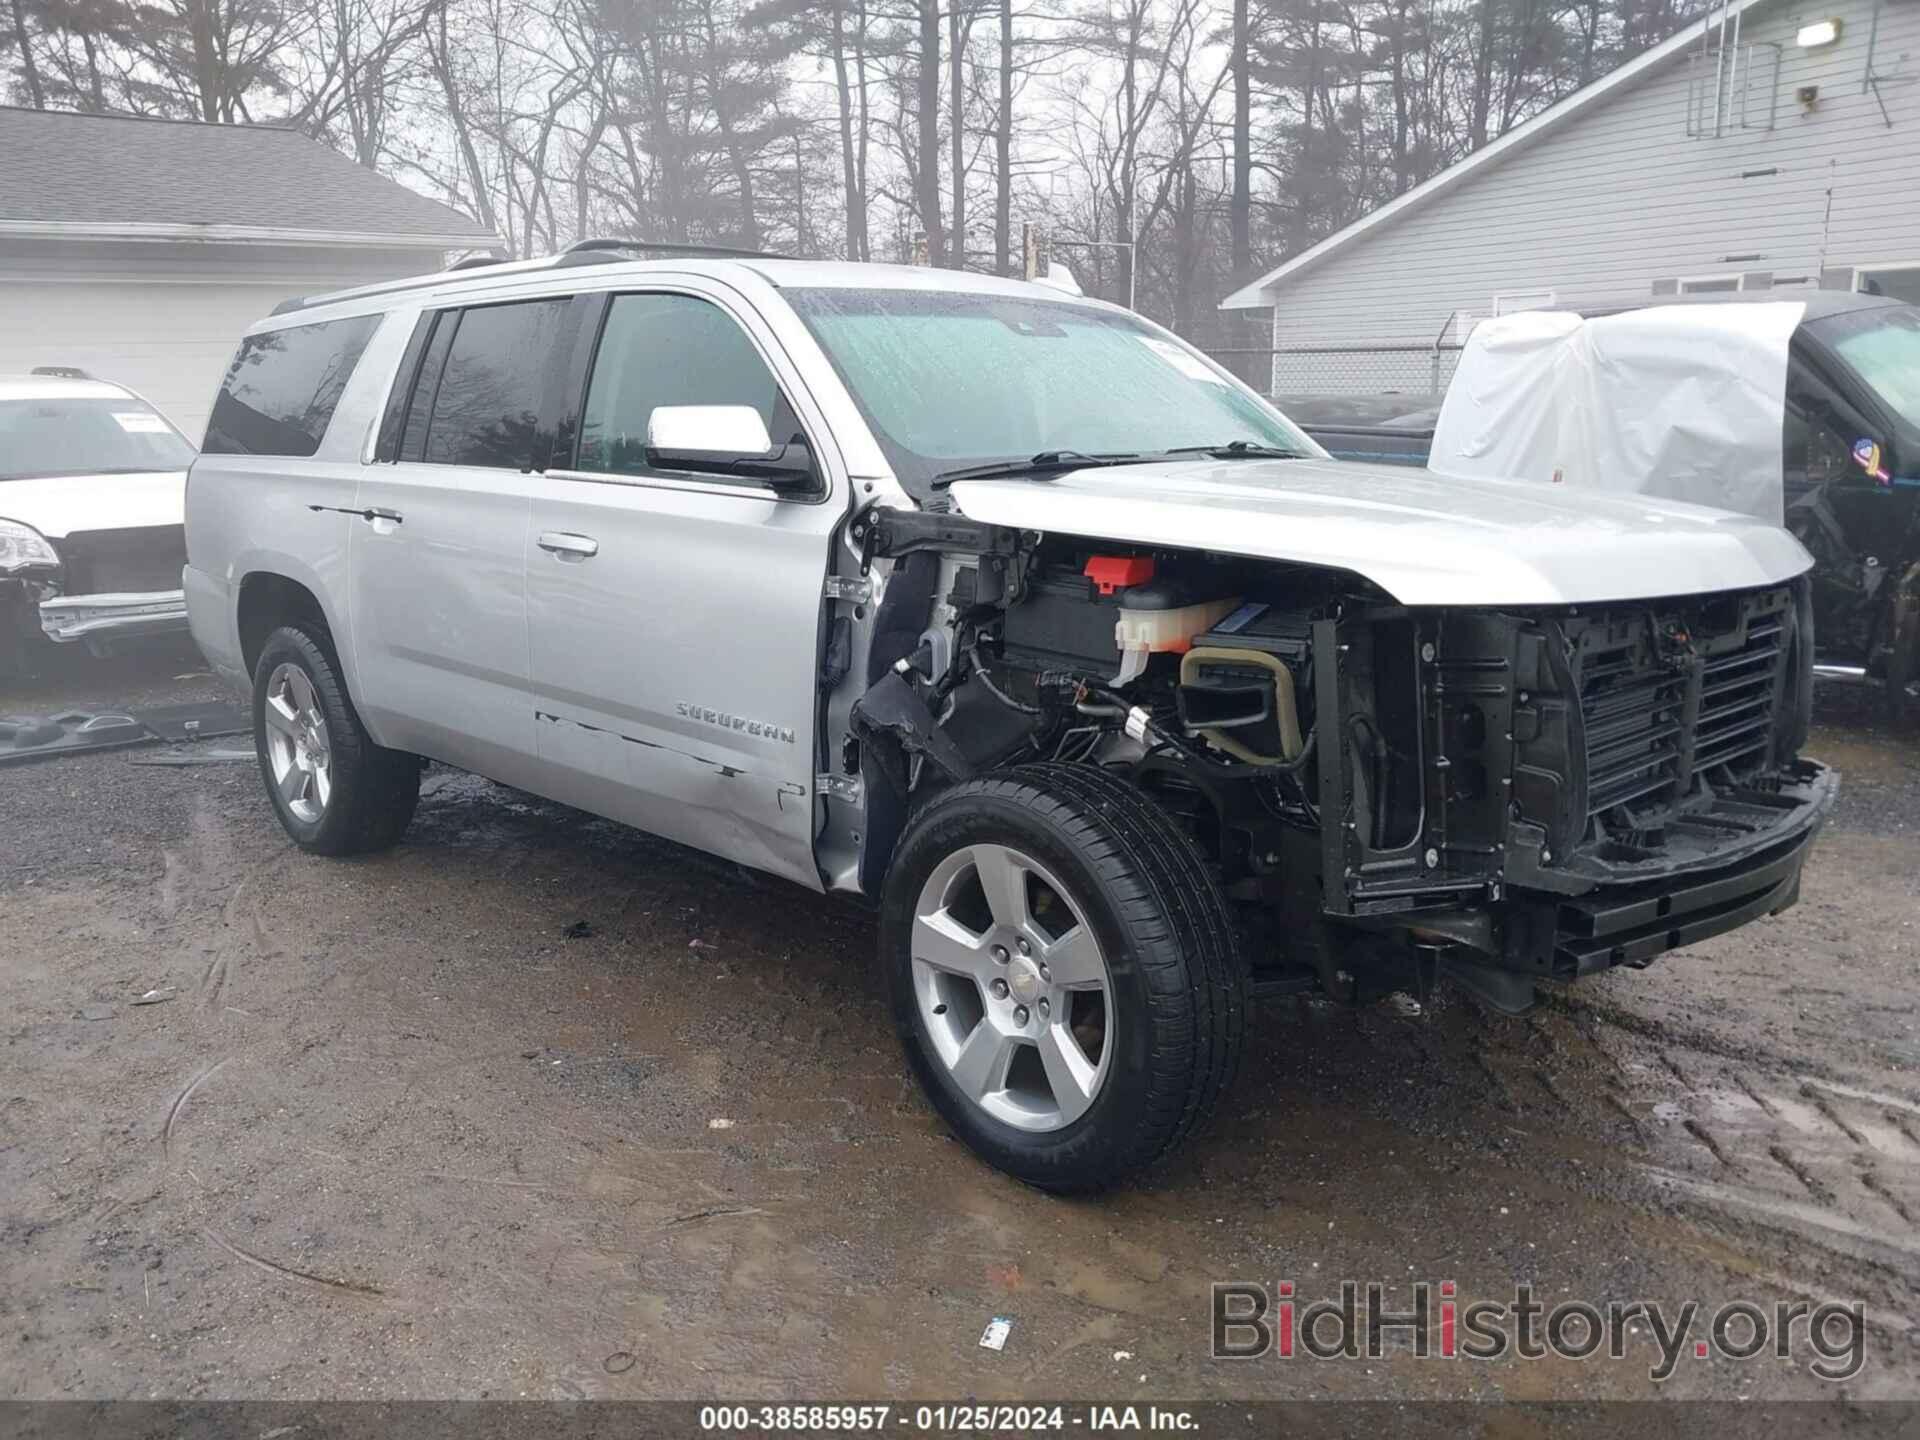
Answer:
(282, 387)
(486, 408)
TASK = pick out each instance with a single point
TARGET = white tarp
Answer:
(1684, 402)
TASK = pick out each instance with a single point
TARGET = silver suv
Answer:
(1011, 613)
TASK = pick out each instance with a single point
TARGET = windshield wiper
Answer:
(1043, 466)
(1238, 450)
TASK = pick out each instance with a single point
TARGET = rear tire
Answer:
(335, 791)
(1070, 1075)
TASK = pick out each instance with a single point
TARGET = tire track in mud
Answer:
(1749, 1138)
(196, 878)
(1776, 1163)
(290, 1272)
(199, 876)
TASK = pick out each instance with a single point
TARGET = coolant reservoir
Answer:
(1156, 619)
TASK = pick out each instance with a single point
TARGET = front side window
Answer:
(949, 380)
(1882, 347)
(660, 350)
(282, 387)
(86, 435)
(485, 402)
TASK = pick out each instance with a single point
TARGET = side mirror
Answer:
(727, 440)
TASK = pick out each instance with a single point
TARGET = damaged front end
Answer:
(30, 571)
(1504, 795)
(97, 587)
(1596, 785)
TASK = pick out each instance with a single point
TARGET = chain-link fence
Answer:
(1419, 370)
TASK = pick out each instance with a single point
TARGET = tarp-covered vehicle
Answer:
(1803, 412)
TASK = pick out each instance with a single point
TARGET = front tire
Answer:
(1064, 973)
(335, 791)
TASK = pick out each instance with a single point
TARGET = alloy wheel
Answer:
(298, 752)
(1012, 987)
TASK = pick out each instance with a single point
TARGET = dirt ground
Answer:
(399, 1135)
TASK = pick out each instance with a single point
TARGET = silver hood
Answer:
(1423, 539)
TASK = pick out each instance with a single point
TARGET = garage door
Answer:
(170, 342)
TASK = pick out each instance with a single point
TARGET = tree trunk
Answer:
(957, 135)
(1003, 150)
(1240, 207)
(1130, 89)
(742, 176)
(463, 134)
(926, 181)
(28, 68)
(583, 172)
(799, 198)
(1306, 183)
(866, 129)
(1481, 105)
(1402, 179)
(94, 88)
(849, 162)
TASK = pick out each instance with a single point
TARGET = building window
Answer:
(1709, 284)
(1512, 302)
(1896, 282)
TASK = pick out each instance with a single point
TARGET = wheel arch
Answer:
(266, 599)
(278, 588)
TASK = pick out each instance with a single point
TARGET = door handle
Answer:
(568, 546)
(378, 512)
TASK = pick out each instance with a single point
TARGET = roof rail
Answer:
(600, 244)
(600, 251)
(61, 372)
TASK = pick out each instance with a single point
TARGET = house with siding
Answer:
(1772, 147)
(141, 250)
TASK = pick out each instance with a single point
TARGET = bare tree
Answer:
(1185, 142)
(216, 59)
(21, 44)
(926, 180)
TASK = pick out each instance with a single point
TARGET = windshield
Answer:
(89, 435)
(1883, 347)
(949, 381)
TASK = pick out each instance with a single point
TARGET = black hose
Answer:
(985, 678)
(1120, 709)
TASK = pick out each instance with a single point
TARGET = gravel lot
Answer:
(399, 1135)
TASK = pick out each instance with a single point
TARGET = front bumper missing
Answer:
(117, 616)
(1635, 924)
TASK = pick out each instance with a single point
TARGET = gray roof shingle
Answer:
(60, 167)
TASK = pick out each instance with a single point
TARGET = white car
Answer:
(92, 510)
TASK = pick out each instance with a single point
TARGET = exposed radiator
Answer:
(1670, 695)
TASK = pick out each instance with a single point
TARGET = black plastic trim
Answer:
(394, 419)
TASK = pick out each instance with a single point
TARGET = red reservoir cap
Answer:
(1116, 572)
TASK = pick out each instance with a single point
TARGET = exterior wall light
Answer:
(1818, 34)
